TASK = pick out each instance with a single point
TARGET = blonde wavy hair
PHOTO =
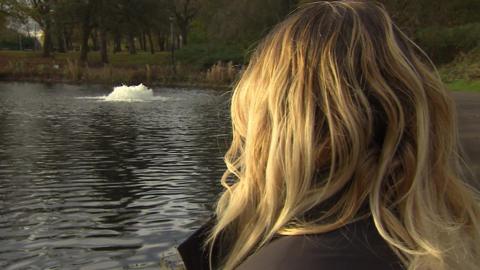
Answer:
(338, 102)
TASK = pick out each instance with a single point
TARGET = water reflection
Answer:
(101, 185)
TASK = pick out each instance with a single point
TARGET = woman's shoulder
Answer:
(355, 246)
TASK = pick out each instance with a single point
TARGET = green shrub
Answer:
(444, 44)
(206, 55)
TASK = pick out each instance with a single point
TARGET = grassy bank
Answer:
(462, 74)
(462, 85)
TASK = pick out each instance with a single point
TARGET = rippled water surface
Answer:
(91, 184)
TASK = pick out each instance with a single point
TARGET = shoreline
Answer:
(184, 85)
(155, 83)
(156, 70)
(123, 69)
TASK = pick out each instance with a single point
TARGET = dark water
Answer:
(90, 184)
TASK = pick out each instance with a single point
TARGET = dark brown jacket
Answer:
(355, 246)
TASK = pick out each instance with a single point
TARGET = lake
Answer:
(87, 183)
(91, 184)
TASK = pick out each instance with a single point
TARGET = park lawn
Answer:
(463, 85)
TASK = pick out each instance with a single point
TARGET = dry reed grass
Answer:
(221, 72)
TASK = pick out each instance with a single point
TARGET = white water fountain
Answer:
(131, 93)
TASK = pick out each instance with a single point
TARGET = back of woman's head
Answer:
(337, 102)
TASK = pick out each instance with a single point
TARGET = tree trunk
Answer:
(84, 43)
(184, 33)
(20, 43)
(131, 44)
(142, 40)
(161, 42)
(103, 46)
(60, 41)
(86, 30)
(117, 42)
(177, 41)
(150, 42)
(94, 35)
(69, 44)
(47, 42)
(68, 39)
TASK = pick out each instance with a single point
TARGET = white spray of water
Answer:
(139, 93)
(131, 93)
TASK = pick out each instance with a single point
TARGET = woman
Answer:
(344, 153)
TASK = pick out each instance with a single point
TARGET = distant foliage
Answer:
(10, 40)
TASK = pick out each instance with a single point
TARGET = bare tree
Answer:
(184, 12)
